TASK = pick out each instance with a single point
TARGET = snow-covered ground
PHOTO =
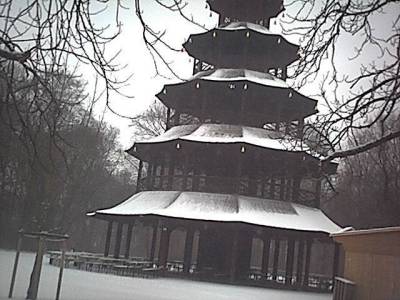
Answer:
(86, 286)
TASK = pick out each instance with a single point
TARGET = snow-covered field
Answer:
(87, 286)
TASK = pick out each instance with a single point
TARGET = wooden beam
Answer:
(265, 257)
(108, 239)
(153, 241)
(300, 262)
(234, 255)
(164, 247)
(276, 259)
(289, 261)
(128, 240)
(118, 237)
(171, 172)
(308, 260)
(187, 259)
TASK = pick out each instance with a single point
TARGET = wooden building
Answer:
(372, 262)
(231, 171)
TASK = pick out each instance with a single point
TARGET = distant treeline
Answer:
(57, 161)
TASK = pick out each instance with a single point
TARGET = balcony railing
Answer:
(344, 289)
(272, 188)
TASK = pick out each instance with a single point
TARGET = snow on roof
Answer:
(224, 208)
(222, 133)
(246, 25)
(241, 74)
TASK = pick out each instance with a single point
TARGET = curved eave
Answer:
(223, 208)
(219, 134)
(225, 7)
(204, 80)
(274, 48)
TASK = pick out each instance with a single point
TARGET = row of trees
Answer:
(57, 161)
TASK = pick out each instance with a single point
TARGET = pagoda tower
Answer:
(231, 171)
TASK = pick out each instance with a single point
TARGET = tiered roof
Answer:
(242, 45)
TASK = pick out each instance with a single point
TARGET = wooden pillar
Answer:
(149, 175)
(164, 247)
(238, 171)
(153, 241)
(265, 257)
(14, 273)
(300, 262)
(296, 187)
(117, 245)
(234, 255)
(196, 172)
(289, 262)
(187, 259)
(153, 173)
(37, 269)
(108, 239)
(282, 188)
(139, 176)
(276, 259)
(171, 172)
(307, 263)
(128, 240)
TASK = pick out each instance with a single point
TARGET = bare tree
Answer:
(40, 38)
(372, 93)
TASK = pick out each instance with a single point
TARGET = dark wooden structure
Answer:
(231, 170)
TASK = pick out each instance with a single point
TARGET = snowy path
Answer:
(86, 286)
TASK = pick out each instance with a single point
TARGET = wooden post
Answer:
(282, 188)
(234, 254)
(117, 245)
(153, 174)
(108, 239)
(148, 175)
(300, 262)
(14, 273)
(139, 176)
(238, 171)
(164, 247)
(153, 241)
(265, 258)
(60, 274)
(276, 259)
(296, 187)
(128, 240)
(308, 260)
(171, 172)
(289, 262)
(187, 260)
(37, 268)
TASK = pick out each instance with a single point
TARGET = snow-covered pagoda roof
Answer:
(249, 43)
(242, 10)
(223, 208)
(263, 94)
(228, 134)
(241, 75)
